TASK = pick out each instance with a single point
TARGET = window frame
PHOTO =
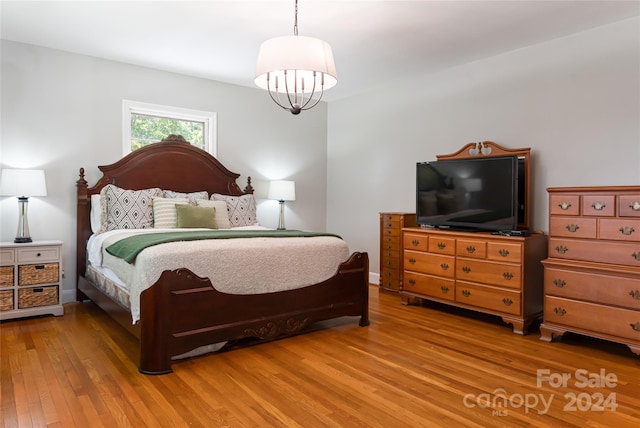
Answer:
(209, 119)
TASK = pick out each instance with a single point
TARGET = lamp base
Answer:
(22, 240)
(281, 219)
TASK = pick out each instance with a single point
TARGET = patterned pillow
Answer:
(192, 197)
(241, 209)
(222, 217)
(127, 209)
(164, 212)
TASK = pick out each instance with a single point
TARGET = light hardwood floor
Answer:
(412, 367)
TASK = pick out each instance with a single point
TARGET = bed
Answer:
(182, 311)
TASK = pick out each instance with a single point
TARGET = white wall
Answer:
(62, 111)
(575, 101)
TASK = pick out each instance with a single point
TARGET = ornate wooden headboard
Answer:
(172, 164)
(491, 149)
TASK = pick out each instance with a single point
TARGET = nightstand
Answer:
(30, 279)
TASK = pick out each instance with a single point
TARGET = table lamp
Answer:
(282, 190)
(23, 183)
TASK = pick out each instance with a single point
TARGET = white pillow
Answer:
(164, 212)
(96, 213)
(222, 218)
(241, 209)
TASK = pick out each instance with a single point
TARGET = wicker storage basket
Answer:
(6, 300)
(38, 274)
(37, 296)
(6, 276)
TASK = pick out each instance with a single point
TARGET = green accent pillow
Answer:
(189, 216)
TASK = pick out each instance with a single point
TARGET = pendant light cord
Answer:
(295, 21)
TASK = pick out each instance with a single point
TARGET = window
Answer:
(144, 124)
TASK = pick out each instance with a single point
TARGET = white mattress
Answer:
(235, 266)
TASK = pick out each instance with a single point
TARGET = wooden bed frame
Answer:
(182, 311)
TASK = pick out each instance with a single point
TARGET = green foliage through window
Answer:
(146, 129)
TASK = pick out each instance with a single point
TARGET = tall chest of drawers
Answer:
(592, 275)
(391, 224)
(499, 275)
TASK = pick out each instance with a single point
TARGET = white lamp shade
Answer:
(282, 190)
(303, 54)
(23, 182)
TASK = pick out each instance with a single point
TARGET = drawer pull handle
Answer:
(635, 294)
(442, 245)
(466, 269)
(598, 206)
(466, 293)
(39, 267)
(444, 266)
(389, 225)
(503, 252)
(560, 283)
(507, 275)
(573, 227)
(564, 205)
(507, 301)
(636, 255)
(412, 282)
(37, 290)
(635, 326)
(635, 206)
(412, 261)
(471, 249)
(561, 249)
(38, 255)
(415, 242)
(444, 289)
(627, 230)
(559, 311)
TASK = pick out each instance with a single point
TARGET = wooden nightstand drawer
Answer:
(38, 254)
(498, 299)
(568, 227)
(499, 274)
(6, 300)
(33, 297)
(564, 205)
(7, 257)
(38, 274)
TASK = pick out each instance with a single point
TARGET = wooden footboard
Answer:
(183, 311)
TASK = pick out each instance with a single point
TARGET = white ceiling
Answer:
(373, 41)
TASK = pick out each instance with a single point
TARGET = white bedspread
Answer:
(235, 266)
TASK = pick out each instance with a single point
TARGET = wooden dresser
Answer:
(592, 275)
(391, 224)
(499, 275)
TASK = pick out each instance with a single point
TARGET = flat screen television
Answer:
(481, 194)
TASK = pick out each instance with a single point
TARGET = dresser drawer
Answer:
(590, 316)
(568, 227)
(434, 264)
(442, 245)
(6, 300)
(619, 229)
(427, 285)
(38, 254)
(415, 242)
(7, 257)
(390, 278)
(504, 251)
(629, 205)
(390, 242)
(391, 259)
(606, 289)
(497, 299)
(390, 232)
(564, 204)
(622, 253)
(471, 248)
(391, 217)
(37, 296)
(486, 272)
(598, 205)
(391, 224)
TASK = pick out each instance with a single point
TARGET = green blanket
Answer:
(129, 248)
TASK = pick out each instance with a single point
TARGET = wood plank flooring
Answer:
(414, 366)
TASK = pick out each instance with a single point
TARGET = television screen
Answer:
(475, 194)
